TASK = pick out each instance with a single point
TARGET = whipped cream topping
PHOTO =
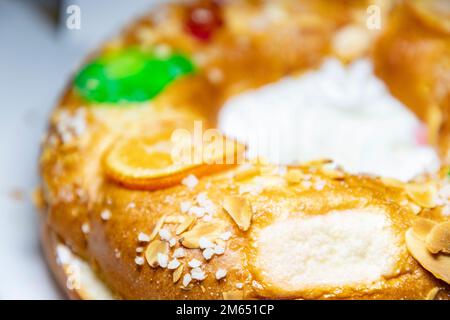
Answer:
(340, 112)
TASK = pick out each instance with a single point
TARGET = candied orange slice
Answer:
(434, 13)
(157, 162)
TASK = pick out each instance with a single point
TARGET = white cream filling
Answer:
(337, 112)
(335, 249)
(80, 276)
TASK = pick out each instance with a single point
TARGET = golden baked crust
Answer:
(76, 190)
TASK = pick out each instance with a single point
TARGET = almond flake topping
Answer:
(391, 182)
(333, 173)
(240, 211)
(421, 227)
(414, 208)
(153, 249)
(158, 226)
(425, 195)
(438, 264)
(245, 172)
(210, 230)
(438, 239)
(185, 225)
(317, 162)
(174, 219)
(432, 293)
(294, 176)
(177, 274)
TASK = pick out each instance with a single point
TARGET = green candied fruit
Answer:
(130, 75)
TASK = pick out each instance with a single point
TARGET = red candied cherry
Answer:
(203, 20)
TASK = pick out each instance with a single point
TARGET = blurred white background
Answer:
(37, 56)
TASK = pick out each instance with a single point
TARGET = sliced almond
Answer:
(185, 225)
(317, 163)
(157, 227)
(269, 170)
(294, 176)
(414, 207)
(209, 230)
(245, 173)
(391, 182)
(175, 219)
(240, 210)
(433, 13)
(421, 227)
(431, 295)
(155, 247)
(422, 194)
(438, 239)
(177, 273)
(233, 295)
(438, 265)
(333, 173)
